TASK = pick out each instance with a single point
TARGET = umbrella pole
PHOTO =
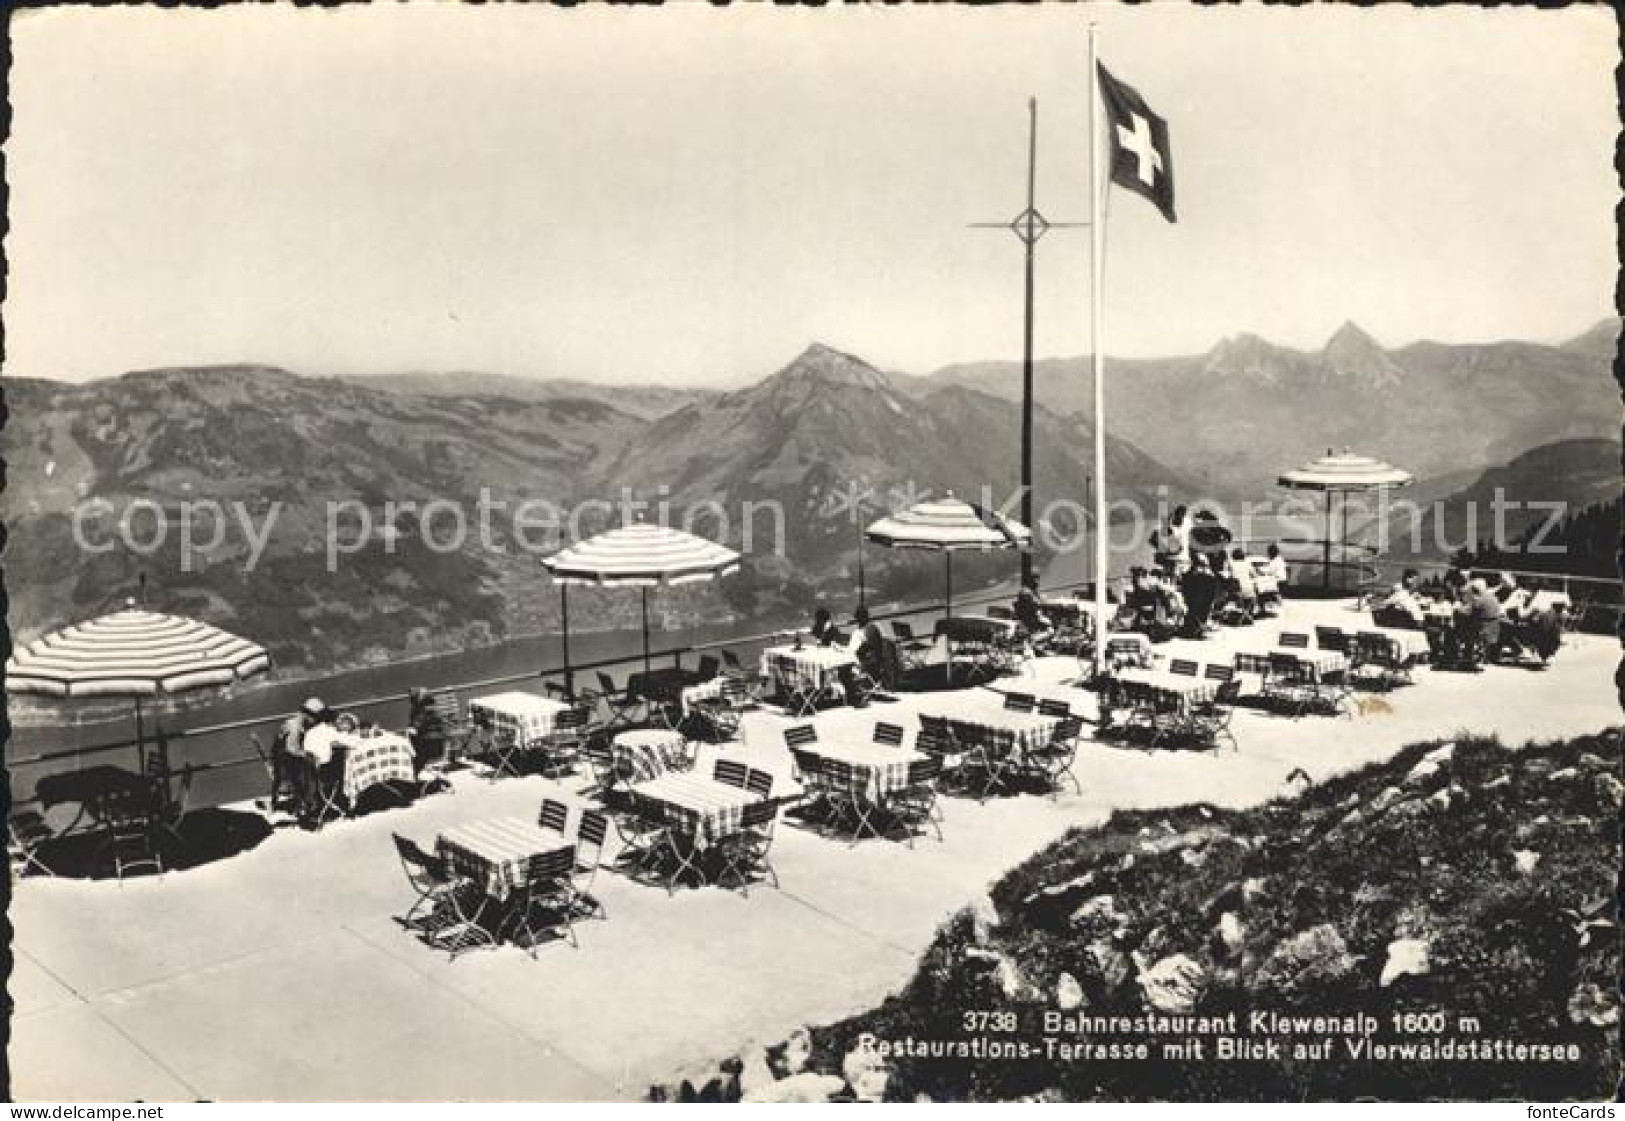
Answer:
(140, 739)
(646, 666)
(948, 557)
(1326, 561)
(564, 625)
(863, 597)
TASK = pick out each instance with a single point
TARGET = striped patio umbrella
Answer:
(949, 525)
(133, 653)
(642, 556)
(1342, 473)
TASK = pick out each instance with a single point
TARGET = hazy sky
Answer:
(691, 195)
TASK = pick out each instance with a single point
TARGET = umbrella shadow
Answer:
(202, 837)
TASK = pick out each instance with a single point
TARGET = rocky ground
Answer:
(1460, 878)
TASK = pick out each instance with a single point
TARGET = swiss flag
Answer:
(1141, 158)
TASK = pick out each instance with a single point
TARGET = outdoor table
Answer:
(93, 789)
(646, 753)
(699, 810)
(810, 673)
(1129, 648)
(496, 853)
(661, 691)
(880, 769)
(979, 637)
(371, 760)
(703, 691)
(977, 715)
(661, 686)
(1409, 645)
(703, 809)
(1187, 692)
(1325, 662)
(515, 715)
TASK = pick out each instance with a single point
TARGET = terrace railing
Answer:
(233, 750)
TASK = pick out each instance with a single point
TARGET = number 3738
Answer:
(983, 1020)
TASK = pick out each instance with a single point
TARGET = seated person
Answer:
(288, 768)
(824, 631)
(1480, 614)
(1403, 607)
(1276, 567)
(425, 727)
(876, 655)
(1539, 630)
(1030, 614)
(1200, 587)
(1240, 584)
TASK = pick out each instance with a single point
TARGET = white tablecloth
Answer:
(524, 716)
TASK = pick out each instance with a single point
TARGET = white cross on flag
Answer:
(1141, 158)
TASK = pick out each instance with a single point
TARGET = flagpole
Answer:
(1096, 260)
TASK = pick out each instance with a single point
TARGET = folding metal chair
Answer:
(911, 648)
(1210, 721)
(589, 855)
(759, 783)
(1375, 649)
(1293, 640)
(849, 797)
(750, 681)
(546, 902)
(744, 853)
(916, 802)
(888, 735)
(1053, 706)
(559, 751)
(1184, 667)
(554, 816)
(1333, 638)
(1020, 702)
(28, 833)
(730, 772)
(431, 881)
(1053, 759)
(326, 788)
(504, 752)
(621, 703)
(645, 838)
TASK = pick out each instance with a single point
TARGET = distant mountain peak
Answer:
(1248, 355)
(829, 366)
(1351, 334)
(1353, 354)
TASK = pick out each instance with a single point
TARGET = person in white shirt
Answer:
(1275, 566)
(1402, 608)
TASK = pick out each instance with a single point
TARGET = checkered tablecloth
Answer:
(661, 686)
(647, 753)
(516, 715)
(880, 769)
(371, 760)
(811, 667)
(1409, 645)
(979, 715)
(704, 691)
(1324, 661)
(1130, 648)
(701, 807)
(1187, 691)
(495, 853)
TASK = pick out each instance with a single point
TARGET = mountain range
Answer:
(832, 440)
(1238, 415)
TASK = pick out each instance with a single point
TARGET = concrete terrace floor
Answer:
(280, 974)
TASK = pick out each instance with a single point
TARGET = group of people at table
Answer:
(311, 748)
(1472, 617)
